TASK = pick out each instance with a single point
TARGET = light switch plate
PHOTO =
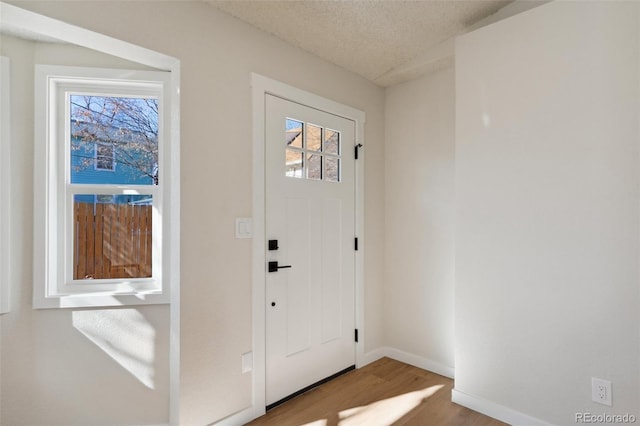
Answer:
(244, 227)
(247, 362)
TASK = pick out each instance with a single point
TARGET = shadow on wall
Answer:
(123, 334)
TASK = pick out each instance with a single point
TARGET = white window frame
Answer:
(5, 184)
(54, 286)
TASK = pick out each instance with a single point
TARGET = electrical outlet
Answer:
(601, 391)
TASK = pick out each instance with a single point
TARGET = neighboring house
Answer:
(98, 157)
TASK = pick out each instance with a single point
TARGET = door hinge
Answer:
(355, 243)
(356, 335)
(357, 148)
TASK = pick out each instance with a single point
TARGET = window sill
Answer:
(94, 300)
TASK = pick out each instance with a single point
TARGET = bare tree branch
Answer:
(130, 125)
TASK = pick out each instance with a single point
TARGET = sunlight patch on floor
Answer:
(386, 411)
(123, 334)
(322, 422)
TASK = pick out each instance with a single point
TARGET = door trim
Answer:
(260, 86)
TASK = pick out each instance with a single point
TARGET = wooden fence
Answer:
(112, 241)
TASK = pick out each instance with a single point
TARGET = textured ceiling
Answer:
(372, 38)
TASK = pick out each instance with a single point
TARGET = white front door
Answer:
(310, 212)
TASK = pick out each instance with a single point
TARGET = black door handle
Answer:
(273, 267)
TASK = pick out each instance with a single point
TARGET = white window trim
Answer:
(5, 184)
(53, 283)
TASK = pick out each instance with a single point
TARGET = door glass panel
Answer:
(331, 142)
(294, 133)
(313, 152)
(314, 138)
(332, 169)
(314, 166)
(113, 140)
(294, 163)
(112, 236)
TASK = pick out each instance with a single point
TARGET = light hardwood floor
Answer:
(385, 392)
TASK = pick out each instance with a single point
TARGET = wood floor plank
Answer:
(383, 393)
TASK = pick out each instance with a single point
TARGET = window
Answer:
(101, 233)
(313, 152)
(105, 157)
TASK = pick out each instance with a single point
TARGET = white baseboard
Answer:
(421, 362)
(239, 418)
(494, 410)
(372, 356)
(408, 358)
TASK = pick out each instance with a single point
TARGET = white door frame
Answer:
(260, 86)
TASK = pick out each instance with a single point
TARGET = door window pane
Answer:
(331, 142)
(314, 166)
(314, 138)
(293, 133)
(294, 163)
(332, 169)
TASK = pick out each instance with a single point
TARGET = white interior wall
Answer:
(419, 212)
(547, 220)
(58, 363)
(217, 55)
